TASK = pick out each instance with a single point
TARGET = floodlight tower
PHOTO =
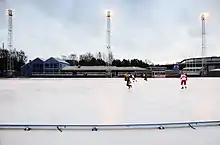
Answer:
(10, 64)
(203, 19)
(108, 43)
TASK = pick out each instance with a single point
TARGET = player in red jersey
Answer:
(183, 80)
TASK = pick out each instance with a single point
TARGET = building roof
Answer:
(30, 61)
(43, 59)
(192, 68)
(37, 58)
(158, 68)
(58, 60)
(25, 65)
(101, 68)
(210, 59)
(61, 60)
(215, 70)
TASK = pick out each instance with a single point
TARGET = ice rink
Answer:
(109, 101)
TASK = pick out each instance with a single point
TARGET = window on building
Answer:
(51, 65)
(55, 65)
(47, 65)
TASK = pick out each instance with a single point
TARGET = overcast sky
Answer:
(158, 30)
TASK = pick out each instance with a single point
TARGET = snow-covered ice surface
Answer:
(108, 101)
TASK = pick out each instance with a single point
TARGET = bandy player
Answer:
(183, 79)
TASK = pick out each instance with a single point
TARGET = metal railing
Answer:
(96, 127)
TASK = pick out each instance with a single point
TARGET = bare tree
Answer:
(73, 57)
(87, 57)
(99, 55)
(110, 57)
(148, 62)
(104, 57)
(64, 57)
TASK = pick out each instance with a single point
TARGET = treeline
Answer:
(18, 59)
(100, 59)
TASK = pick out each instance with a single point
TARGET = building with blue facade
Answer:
(52, 65)
(34, 66)
(41, 66)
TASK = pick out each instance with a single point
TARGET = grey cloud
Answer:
(214, 6)
(157, 29)
(2, 21)
(2, 14)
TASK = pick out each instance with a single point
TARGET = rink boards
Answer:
(96, 127)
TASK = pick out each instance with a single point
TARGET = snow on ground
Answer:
(108, 101)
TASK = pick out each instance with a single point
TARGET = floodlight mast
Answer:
(203, 19)
(108, 45)
(10, 61)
